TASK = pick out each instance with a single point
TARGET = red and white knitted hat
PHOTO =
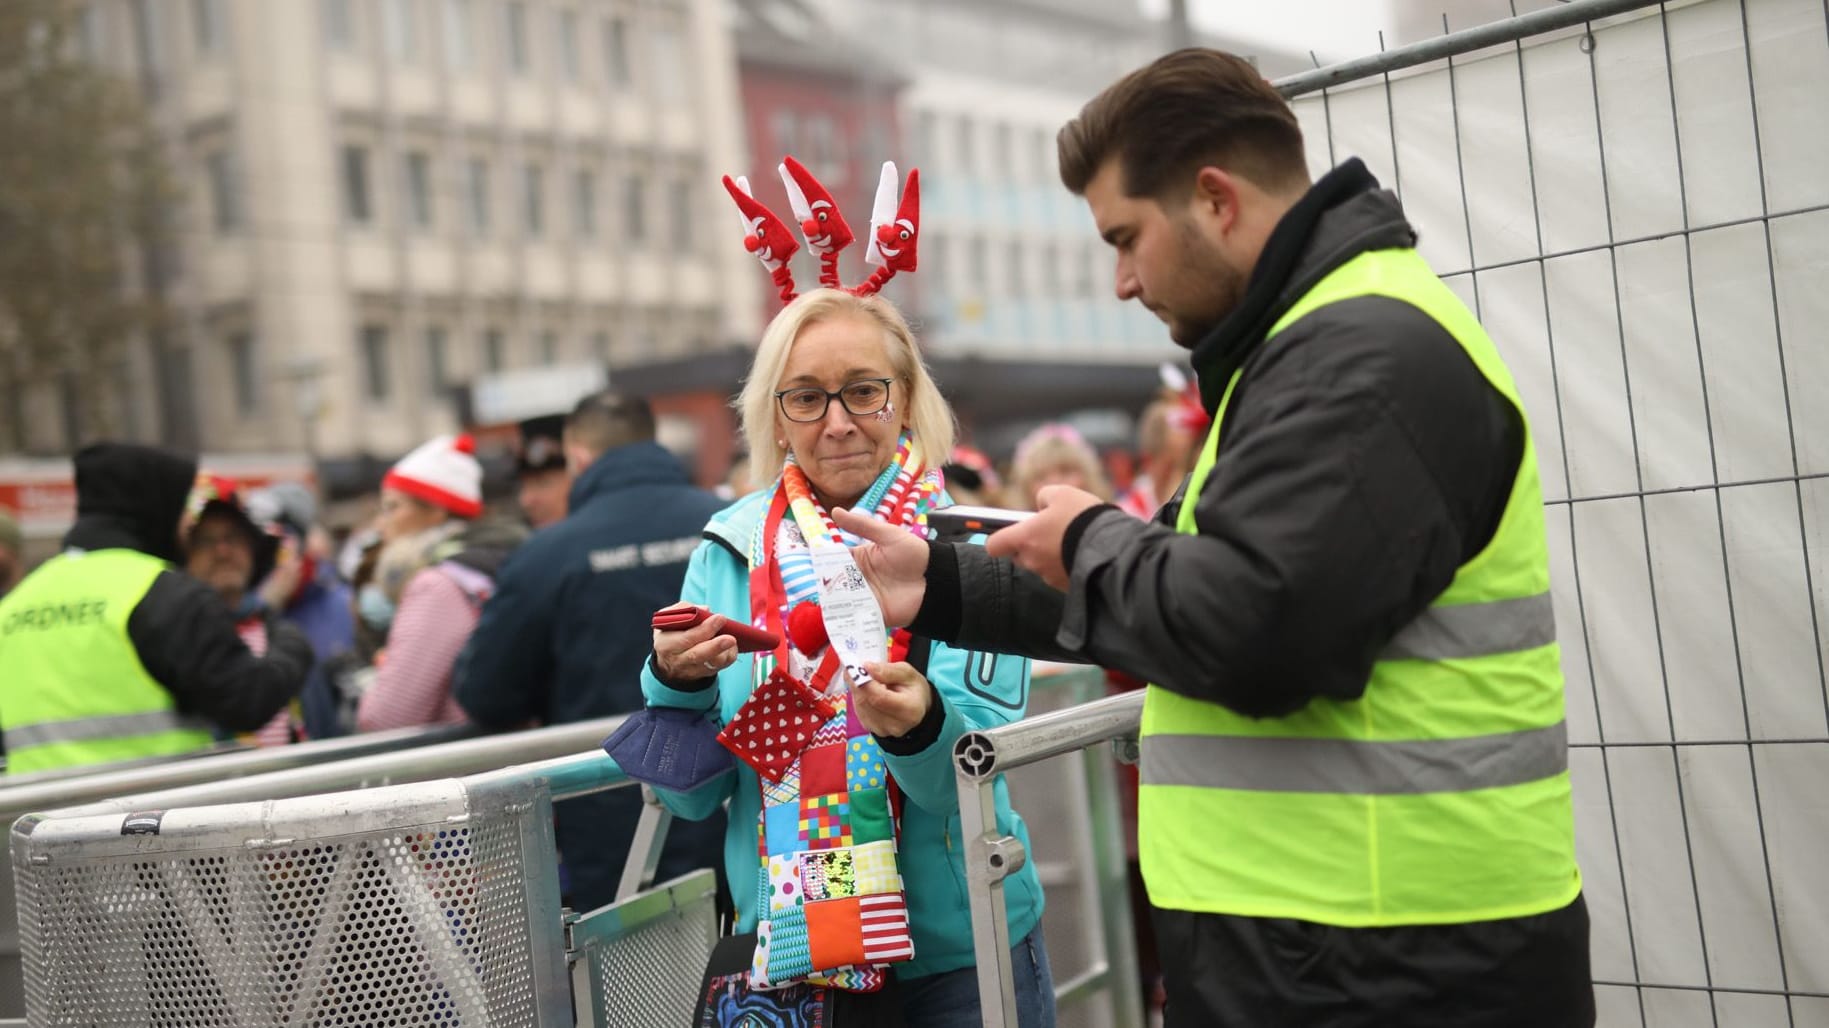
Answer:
(443, 472)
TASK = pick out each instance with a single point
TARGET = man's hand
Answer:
(893, 701)
(283, 580)
(1035, 543)
(894, 562)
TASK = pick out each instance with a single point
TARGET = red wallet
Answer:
(682, 616)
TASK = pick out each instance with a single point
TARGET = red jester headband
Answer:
(894, 229)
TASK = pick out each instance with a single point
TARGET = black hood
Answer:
(130, 497)
(1340, 217)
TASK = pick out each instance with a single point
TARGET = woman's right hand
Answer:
(695, 653)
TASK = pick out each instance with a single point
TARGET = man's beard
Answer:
(1221, 286)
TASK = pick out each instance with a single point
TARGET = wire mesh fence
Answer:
(1637, 207)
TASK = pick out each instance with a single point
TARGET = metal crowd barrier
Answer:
(992, 856)
(379, 758)
(430, 904)
(265, 901)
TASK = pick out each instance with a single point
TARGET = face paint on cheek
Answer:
(887, 414)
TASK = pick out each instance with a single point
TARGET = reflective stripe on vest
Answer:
(90, 729)
(73, 692)
(1476, 630)
(1356, 767)
(1441, 795)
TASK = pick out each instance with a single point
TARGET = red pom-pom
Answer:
(464, 444)
(806, 626)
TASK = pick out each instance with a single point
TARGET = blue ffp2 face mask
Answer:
(376, 609)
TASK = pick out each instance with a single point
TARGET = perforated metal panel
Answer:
(645, 956)
(227, 918)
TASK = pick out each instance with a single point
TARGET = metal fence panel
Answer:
(1638, 212)
(431, 904)
(638, 961)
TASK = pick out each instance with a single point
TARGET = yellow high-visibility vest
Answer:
(1441, 795)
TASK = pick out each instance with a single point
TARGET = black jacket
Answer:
(1363, 459)
(564, 636)
(131, 497)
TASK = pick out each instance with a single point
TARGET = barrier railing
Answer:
(435, 903)
(991, 856)
(354, 762)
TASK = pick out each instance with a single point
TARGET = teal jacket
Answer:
(979, 690)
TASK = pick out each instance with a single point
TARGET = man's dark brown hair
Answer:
(1181, 112)
(607, 420)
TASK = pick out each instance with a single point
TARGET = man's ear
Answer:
(1217, 197)
(577, 457)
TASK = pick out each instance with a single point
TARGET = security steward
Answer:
(1354, 808)
(109, 653)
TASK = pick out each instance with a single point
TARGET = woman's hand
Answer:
(696, 653)
(893, 701)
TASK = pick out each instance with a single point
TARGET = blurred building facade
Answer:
(388, 198)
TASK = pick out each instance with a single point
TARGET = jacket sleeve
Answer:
(187, 642)
(709, 563)
(504, 674)
(975, 690)
(1360, 470)
(414, 680)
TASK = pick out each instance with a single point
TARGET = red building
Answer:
(831, 102)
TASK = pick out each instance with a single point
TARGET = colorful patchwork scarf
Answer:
(830, 905)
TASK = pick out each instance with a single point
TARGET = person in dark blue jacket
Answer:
(566, 633)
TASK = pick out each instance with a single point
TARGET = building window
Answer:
(149, 36)
(786, 128)
(668, 65)
(533, 199)
(518, 60)
(616, 52)
(635, 210)
(977, 264)
(1051, 271)
(1084, 273)
(1046, 157)
(968, 150)
(339, 27)
(358, 205)
(680, 207)
(600, 346)
(90, 41)
(241, 368)
(378, 381)
(460, 49)
(206, 25)
(927, 136)
(419, 189)
(437, 366)
(1017, 280)
(225, 192)
(477, 181)
(1003, 158)
(567, 24)
(584, 203)
(493, 346)
(398, 30)
(549, 348)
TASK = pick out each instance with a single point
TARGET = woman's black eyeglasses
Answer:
(806, 403)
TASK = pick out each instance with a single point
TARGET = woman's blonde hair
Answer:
(925, 412)
(1050, 446)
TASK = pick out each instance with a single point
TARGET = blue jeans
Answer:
(950, 999)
